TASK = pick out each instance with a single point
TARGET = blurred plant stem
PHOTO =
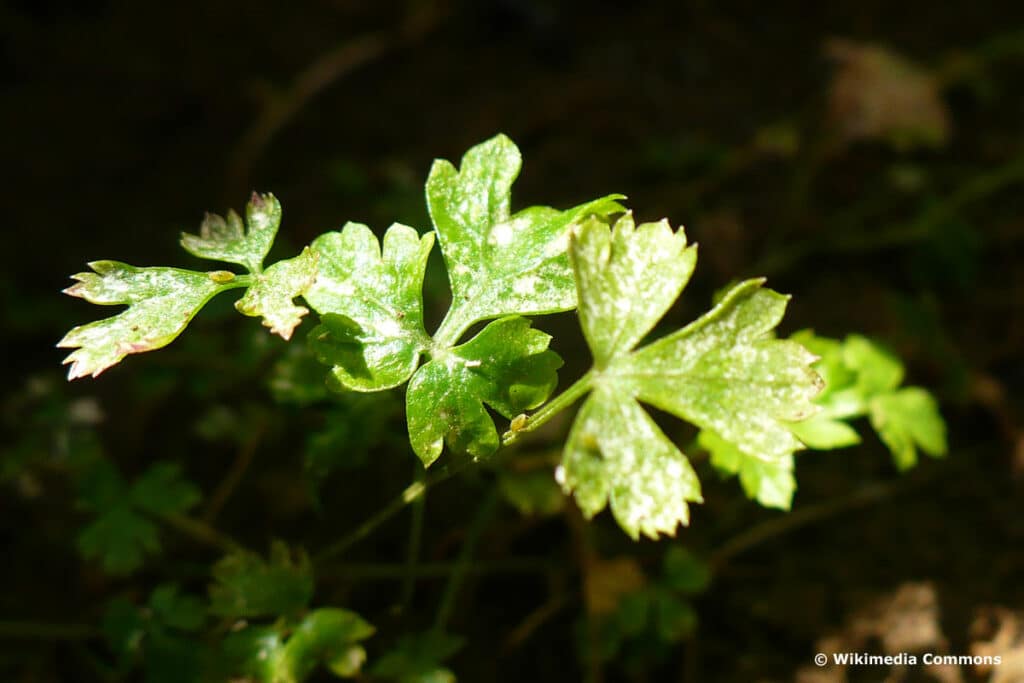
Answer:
(415, 541)
(451, 590)
(409, 495)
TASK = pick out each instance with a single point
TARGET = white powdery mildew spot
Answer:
(501, 235)
(525, 286)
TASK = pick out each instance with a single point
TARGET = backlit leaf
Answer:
(906, 420)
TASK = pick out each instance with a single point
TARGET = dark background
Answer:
(886, 201)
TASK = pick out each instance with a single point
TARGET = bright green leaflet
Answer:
(327, 635)
(500, 263)
(371, 304)
(723, 371)
(161, 302)
(271, 293)
(906, 420)
(861, 379)
(770, 482)
(507, 366)
(228, 241)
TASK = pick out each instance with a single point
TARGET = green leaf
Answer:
(507, 366)
(161, 490)
(534, 492)
(617, 454)
(161, 303)
(725, 371)
(272, 292)
(327, 636)
(770, 482)
(119, 539)
(822, 433)
(417, 658)
(181, 612)
(226, 240)
(684, 572)
(499, 263)
(906, 420)
(371, 303)
(674, 619)
(123, 628)
(245, 585)
(877, 370)
(628, 278)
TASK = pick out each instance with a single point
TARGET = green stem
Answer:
(415, 491)
(411, 493)
(451, 590)
(451, 329)
(415, 541)
(202, 532)
(550, 409)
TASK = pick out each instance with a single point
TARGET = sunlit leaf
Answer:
(228, 241)
(370, 301)
(725, 371)
(768, 481)
(507, 366)
(272, 292)
(906, 420)
(161, 303)
(501, 263)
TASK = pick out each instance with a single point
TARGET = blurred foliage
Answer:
(867, 158)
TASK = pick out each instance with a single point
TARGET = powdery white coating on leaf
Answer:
(617, 455)
(724, 372)
(372, 306)
(630, 276)
(507, 366)
(271, 294)
(161, 303)
(499, 263)
(227, 240)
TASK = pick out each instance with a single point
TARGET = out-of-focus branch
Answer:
(325, 71)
